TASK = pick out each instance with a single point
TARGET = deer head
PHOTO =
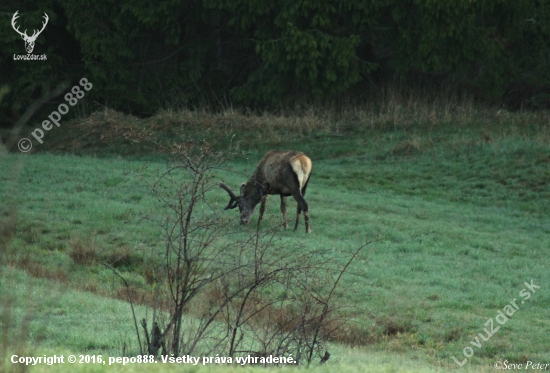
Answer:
(249, 197)
(29, 40)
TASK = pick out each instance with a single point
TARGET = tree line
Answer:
(142, 56)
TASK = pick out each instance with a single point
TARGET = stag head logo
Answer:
(29, 40)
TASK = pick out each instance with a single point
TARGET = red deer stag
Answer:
(279, 172)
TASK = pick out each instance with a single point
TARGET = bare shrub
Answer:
(231, 293)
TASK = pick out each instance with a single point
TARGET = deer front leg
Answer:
(283, 210)
(262, 209)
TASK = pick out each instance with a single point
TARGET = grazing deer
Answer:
(279, 172)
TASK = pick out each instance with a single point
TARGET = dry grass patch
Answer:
(120, 257)
(8, 227)
(391, 109)
(82, 251)
(39, 270)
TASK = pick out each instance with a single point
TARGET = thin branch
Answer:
(130, 301)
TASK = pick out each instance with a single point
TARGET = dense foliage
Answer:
(142, 55)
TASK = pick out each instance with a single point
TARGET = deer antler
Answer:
(24, 34)
(43, 27)
(234, 199)
(226, 188)
(13, 19)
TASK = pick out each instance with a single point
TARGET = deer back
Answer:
(285, 171)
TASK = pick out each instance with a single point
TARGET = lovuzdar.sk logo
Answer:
(29, 40)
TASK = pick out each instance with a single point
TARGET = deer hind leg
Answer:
(302, 206)
(283, 211)
(306, 211)
(298, 212)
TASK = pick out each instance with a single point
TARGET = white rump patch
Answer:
(302, 170)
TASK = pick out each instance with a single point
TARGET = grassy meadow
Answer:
(453, 199)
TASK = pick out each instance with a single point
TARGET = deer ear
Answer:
(265, 188)
(242, 189)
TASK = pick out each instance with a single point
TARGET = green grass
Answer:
(57, 317)
(458, 217)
